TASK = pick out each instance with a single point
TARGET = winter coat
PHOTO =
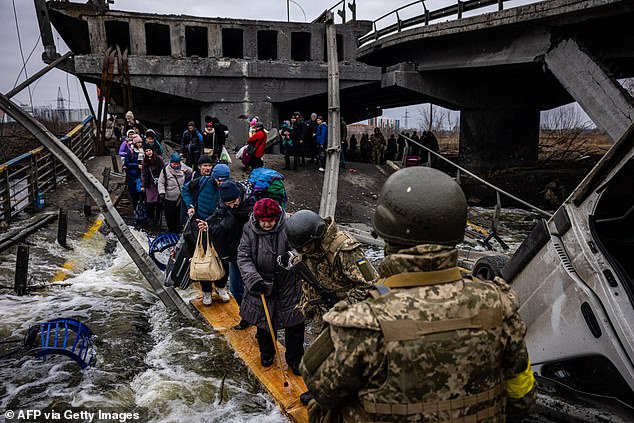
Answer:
(257, 260)
(171, 181)
(298, 135)
(192, 143)
(258, 140)
(321, 134)
(202, 194)
(124, 147)
(226, 224)
(151, 169)
(132, 166)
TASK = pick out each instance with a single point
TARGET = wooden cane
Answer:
(277, 351)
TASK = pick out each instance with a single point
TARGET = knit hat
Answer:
(204, 159)
(150, 133)
(267, 209)
(175, 158)
(127, 134)
(147, 146)
(221, 172)
(136, 138)
(229, 191)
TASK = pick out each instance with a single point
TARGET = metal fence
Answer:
(37, 172)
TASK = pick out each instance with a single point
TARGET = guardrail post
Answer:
(500, 4)
(115, 161)
(21, 270)
(106, 177)
(62, 227)
(460, 8)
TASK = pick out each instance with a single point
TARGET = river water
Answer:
(148, 360)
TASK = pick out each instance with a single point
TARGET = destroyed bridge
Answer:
(499, 66)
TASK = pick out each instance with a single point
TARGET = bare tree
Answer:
(436, 118)
(564, 134)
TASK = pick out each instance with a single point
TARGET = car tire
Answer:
(488, 267)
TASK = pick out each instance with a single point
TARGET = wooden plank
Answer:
(223, 317)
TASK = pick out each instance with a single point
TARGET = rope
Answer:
(473, 175)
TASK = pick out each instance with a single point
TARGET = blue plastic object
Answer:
(162, 243)
(67, 337)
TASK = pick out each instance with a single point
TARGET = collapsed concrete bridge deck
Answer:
(500, 69)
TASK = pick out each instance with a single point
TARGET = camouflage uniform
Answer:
(402, 355)
(339, 264)
(378, 143)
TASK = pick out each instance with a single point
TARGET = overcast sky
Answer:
(45, 91)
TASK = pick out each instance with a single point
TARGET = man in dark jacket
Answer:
(192, 145)
(226, 225)
(311, 147)
(200, 196)
(300, 138)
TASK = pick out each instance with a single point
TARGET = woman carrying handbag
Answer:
(207, 268)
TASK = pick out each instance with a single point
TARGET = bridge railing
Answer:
(23, 177)
(426, 16)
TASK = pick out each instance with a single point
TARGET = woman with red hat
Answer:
(263, 241)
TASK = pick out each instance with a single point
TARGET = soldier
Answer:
(333, 256)
(432, 344)
(377, 141)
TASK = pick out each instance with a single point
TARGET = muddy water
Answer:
(148, 360)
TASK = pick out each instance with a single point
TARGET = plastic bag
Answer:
(225, 155)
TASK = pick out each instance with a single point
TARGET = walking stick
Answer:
(277, 351)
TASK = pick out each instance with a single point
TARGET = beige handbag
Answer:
(205, 266)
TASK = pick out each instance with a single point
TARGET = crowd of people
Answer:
(416, 340)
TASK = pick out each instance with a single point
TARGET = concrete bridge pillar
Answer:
(495, 139)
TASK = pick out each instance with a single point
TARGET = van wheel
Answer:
(488, 267)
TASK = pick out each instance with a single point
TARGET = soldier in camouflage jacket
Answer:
(334, 257)
(432, 344)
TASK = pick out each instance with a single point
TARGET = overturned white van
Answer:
(575, 278)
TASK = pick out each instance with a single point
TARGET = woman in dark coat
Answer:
(150, 173)
(263, 240)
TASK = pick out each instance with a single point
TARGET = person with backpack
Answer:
(152, 140)
(192, 145)
(170, 183)
(201, 198)
(256, 145)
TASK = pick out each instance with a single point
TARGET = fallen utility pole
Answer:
(168, 295)
(328, 202)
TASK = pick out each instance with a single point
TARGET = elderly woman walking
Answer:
(263, 240)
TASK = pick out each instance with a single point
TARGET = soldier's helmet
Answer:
(303, 227)
(420, 205)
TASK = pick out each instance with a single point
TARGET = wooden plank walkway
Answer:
(223, 317)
